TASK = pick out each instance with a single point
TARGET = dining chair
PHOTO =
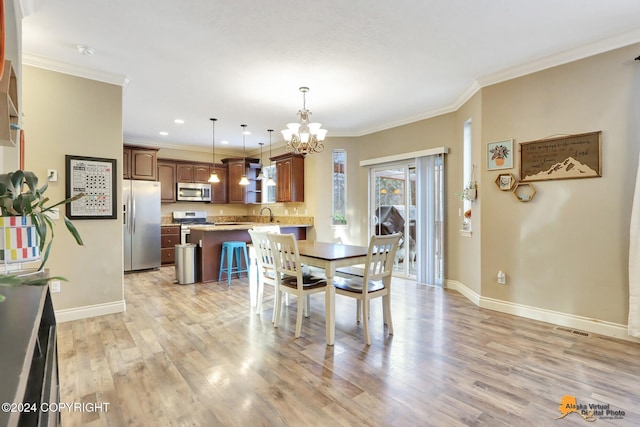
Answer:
(291, 277)
(266, 265)
(376, 281)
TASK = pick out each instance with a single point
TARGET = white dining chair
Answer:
(266, 265)
(375, 283)
(291, 278)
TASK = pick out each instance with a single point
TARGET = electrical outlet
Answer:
(55, 286)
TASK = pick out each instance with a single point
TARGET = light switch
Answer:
(52, 174)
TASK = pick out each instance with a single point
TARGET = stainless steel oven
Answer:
(193, 192)
(187, 218)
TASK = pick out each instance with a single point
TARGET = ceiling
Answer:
(369, 64)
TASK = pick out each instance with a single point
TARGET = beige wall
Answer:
(63, 115)
(567, 250)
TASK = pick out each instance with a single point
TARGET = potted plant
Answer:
(28, 208)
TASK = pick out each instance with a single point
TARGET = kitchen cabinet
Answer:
(243, 193)
(169, 238)
(167, 178)
(289, 177)
(9, 110)
(219, 189)
(140, 163)
(192, 172)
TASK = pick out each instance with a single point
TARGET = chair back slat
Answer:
(262, 247)
(381, 256)
(287, 257)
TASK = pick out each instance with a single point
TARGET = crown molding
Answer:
(74, 70)
(601, 46)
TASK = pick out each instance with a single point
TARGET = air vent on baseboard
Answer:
(572, 331)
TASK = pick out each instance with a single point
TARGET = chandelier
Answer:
(304, 137)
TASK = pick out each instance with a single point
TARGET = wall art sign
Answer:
(500, 155)
(567, 157)
(96, 178)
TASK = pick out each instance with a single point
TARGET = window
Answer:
(268, 191)
(339, 208)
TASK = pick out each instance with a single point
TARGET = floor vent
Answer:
(572, 331)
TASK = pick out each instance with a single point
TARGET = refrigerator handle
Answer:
(133, 217)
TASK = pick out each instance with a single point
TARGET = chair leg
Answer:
(365, 320)
(307, 304)
(221, 265)
(229, 267)
(358, 310)
(386, 309)
(301, 301)
(238, 262)
(277, 306)
(259, 296)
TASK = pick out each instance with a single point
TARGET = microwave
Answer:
(193, 192)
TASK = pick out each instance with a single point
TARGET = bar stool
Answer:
(230, 249)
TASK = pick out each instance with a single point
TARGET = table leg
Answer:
(330, 307)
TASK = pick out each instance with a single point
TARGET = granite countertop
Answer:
(241, 226)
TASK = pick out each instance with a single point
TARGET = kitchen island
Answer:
(209, 238)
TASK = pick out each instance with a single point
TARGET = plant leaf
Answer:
(74, 232)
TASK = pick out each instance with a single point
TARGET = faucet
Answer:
(270, 213)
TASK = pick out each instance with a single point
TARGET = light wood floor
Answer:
(196, 355)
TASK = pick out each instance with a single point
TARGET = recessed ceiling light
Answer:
(163, 133)
(85, 50)
(224, 142)
(179, 121)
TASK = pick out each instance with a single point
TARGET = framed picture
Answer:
(567, 157)
(506, 183)
(96, 178)
(500, 155)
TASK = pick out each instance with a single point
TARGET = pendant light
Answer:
(214, 175)
(244, 180)
(270, 181)
(260, 175)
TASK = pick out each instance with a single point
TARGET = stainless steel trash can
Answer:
(185, 263)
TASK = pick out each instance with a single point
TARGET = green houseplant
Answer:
(21, 197)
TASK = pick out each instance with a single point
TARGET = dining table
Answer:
(325, 255)
(330, 257)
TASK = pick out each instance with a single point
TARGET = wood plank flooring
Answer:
(197, 355)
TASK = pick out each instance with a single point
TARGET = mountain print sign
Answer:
(568, 157)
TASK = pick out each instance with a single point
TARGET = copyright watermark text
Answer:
(55, 407)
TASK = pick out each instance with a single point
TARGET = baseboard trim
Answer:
(602, 327)
(87, 311)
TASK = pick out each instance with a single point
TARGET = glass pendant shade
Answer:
(213, 178)
(244, 180)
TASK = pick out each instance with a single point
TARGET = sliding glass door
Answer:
(393, 208)
(408, 197)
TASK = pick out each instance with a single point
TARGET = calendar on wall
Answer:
(96, 179)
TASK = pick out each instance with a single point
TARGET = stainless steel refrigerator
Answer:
(141, 224)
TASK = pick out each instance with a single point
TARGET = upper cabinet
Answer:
(193, 172)
(289, 177)
(219, 192)
(9, 126)
(140, 163)
(167, 178)
(243, 193)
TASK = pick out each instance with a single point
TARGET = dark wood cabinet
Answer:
(169, 238)
(193, 172)
(140, 163)
(219, 189)
(289, 177)
(167, 178)
(243, 193)
(28, 356)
